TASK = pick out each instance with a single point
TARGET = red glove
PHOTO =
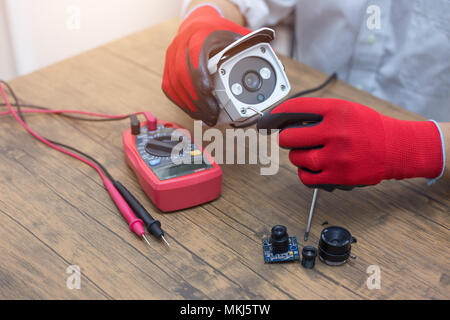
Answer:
(186, 79)
(349, 144)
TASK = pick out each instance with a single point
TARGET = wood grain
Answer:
(54, 211)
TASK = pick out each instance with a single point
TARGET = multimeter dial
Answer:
(161, 146)
(155, 147)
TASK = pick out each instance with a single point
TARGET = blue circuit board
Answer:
(291, 255)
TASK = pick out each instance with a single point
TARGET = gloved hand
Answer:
(186, 80)
(349, 144)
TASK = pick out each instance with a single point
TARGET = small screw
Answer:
(243, 110)
(222, 72)
(263, 50)
(283, 87)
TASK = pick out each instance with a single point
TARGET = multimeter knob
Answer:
(161, 146)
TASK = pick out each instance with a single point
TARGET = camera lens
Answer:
(252, 81)
(335, 245)
(279, 239)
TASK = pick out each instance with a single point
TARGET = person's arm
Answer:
(228, 9)
(445, 128)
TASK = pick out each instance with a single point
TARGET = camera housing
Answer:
(248, 77)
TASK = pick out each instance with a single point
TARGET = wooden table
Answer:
(54, 211)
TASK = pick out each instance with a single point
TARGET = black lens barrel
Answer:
(252, 81)
(309, 254)
(279, 239)
(335, 245)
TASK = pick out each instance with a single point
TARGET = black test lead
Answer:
(153, 226)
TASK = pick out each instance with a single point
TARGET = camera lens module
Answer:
(279, 239)
(252, 81)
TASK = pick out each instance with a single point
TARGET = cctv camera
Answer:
(248, 77)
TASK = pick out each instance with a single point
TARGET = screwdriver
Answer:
(311, 211)
(153, 226)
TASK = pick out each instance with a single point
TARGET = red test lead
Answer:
(136, 225)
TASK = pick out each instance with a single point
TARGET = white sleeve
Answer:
(259, 13)
(185, 4)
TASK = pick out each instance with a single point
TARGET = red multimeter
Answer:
(171, 185)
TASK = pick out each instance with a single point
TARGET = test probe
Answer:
(136, 225)
(153, 226)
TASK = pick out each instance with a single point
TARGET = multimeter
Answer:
(171, 183)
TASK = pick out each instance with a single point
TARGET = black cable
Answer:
(33, 106)
(105, 171)
(12, 104)
(16, 100)
(21, 115)
(320, 87)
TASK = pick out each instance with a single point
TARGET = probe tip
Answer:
(145, 238)
(164, 239)
(306, 236)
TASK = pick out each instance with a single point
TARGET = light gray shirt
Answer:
(398, 50)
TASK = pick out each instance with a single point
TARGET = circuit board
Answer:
(291, 255)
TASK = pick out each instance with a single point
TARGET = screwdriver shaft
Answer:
(311, 211)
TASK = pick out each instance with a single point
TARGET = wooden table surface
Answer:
(54, 211)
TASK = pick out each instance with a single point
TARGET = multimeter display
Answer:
(180, 170)
(155, 148)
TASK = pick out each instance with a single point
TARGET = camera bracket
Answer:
(247, 41)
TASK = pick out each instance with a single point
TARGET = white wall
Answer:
(7, 65)
(41, 32)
